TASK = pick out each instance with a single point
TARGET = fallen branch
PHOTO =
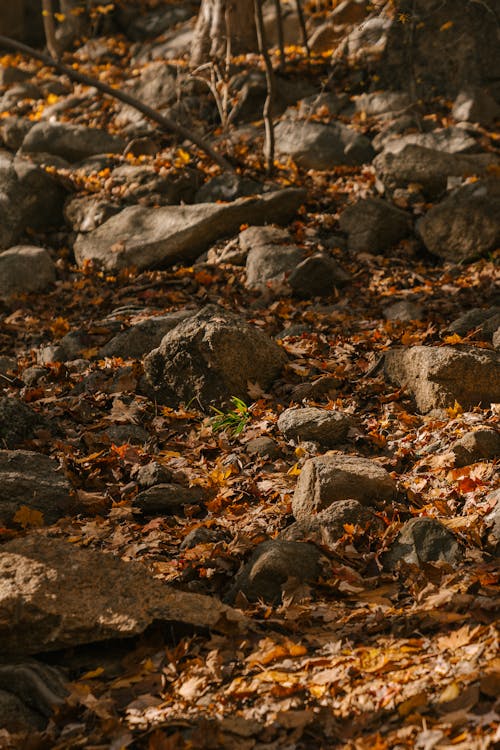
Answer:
(165, 122)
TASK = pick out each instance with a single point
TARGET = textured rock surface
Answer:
(54, 595)
(141, 338)
(313, 145)
(18, 422)
(270, 264)
(35, 481)
(423, 540)
(439, 376)
(373, 225)
(323, 426)
(212, 356)
(317, 276)
(329, 525)
(465, 225)
(25, 269)
(428, 168)
(327, 479)
(484, 322)
(70, 142)
(481, 445)
(271, 565)
(158, 237)
(165, 499)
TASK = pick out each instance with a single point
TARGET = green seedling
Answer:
(234, 420)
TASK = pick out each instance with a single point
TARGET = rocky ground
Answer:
(248, 423)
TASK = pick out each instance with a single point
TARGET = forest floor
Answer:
(361, 657)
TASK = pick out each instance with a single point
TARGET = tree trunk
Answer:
(220, 22)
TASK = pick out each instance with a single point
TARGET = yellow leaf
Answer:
(28, 518)
(455, 410)
(294, 471)
(93, 673)
(59, 17)
(183, 156)
(453, 339)
(446, 26)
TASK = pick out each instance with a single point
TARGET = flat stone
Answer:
(438, 376)
(270, 264)
(313, 145)
(55, 595)
(158, 237)
(25, 269)
(327, 479)
(70, 142)
(323, 426)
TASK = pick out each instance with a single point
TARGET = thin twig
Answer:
(281, 38)
(165, 122)
(49, 28)
(302, 22)
(268, 105)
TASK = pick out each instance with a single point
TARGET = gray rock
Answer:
(448, 140)
(143, 183)
(25, 269)
(271, 565)
(156, 85)
(328, 526)
(227, 187)
(263, 446)
(150, 474)
(158, 237)
(438, 376)
(313, 145)
(325, 480)
(16, 716)
(404, 310)
(481, 445)
(382, 103)
(201, 535)
(270, 264)
(373, 225)
(18, 422)
(55, 595)
(423, 540)
(326, 385)
(211, 357)
(29, 198)
(465, 225)
(37, 685)
(85, 213)
(68, 348)
(317, 276)
(428, 168)
(120, 434)
(13, 131)
(165, 499)
(322, 426)
(474, 104)
(143, 337)
(71, 142)
(487, 321)
(35, 481)
(262, 236)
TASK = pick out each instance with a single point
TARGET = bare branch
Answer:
(268, 105)
(165, 122)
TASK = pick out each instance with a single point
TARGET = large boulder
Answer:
(373, 225)
(158, 237)
(139, 339)
(437, 377)
(34, 481)
(70, 142)
(211, 357)
(25, 269)
(55, 595)
(18, 422)
(325, 480)
(466, 224)
(428, 168)
(313, 145)
(453, 43)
